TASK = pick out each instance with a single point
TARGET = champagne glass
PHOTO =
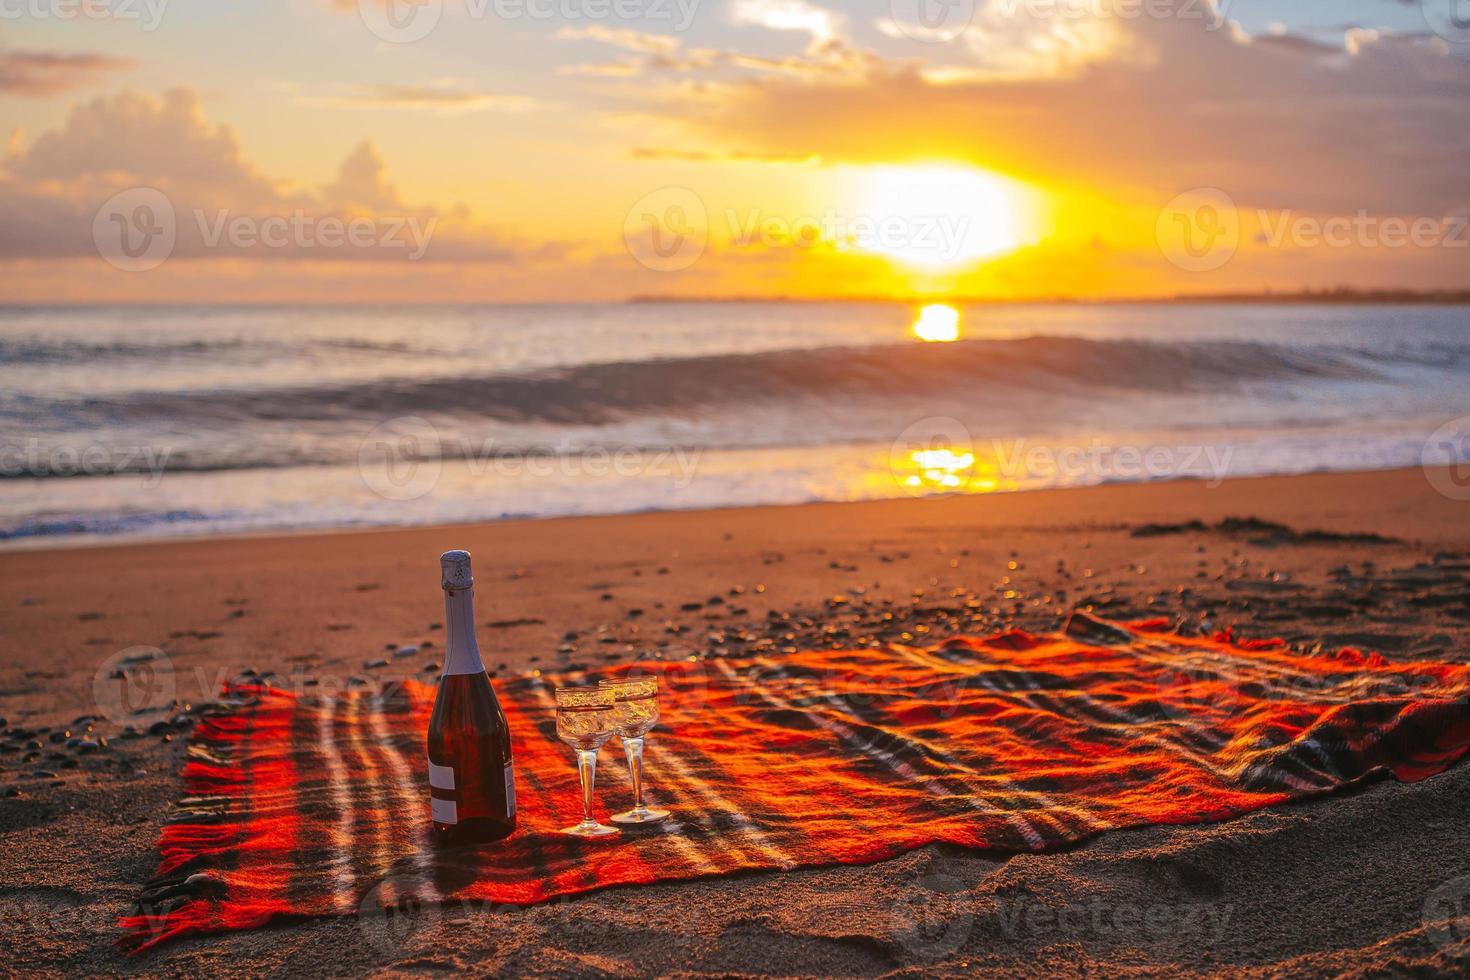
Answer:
(635, 713)
(584, 720)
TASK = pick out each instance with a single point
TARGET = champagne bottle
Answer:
(472, 792)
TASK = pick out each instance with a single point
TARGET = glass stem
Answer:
(633, 748)
(587, 770)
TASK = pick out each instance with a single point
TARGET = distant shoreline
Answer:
(1346, 297)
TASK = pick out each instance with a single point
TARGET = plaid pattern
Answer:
(298, 806)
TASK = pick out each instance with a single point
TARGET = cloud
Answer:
(625, 38)
(789, 15)
(1379, 123)
(651, 52)
(440, 95)
(829, 52)
(362, 182)
(626, 68)
(40, 74)
(51, 191)
(1374, 124)
(731, 156)
(131, 137)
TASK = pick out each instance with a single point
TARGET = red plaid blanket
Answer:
(302, 806)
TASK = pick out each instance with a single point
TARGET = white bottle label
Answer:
(441, 777)
(510, 789)
(444, 811)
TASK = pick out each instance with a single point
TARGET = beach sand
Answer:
(1358, 882)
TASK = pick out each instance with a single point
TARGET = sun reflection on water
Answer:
(942, 465)
(939, 466)
(937, 323)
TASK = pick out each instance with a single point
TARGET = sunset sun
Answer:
(939, 216)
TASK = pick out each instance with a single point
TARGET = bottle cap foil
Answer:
(454, 567)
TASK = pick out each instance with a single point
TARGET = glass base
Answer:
(591, 828)
(639, 815)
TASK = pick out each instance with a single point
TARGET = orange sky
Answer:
(324, 152)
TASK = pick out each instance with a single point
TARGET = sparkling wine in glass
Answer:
(584, 720)
(635, 713)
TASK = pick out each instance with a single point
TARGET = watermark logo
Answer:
(400, 21)
(1212, 12)
(46, 920)
(408, 21)
(136, 230)
(1446, 458)
(667, 230)
(935, 238)
(148, 12)
(401, 459)
(679, 14)
(932, 920)
(398, 912)
(392, 913)
(670, 229)
(934, 455)
(938, 455)
(1450, 19)
(932, 21)
(133, 682)
(683, 685)
(1199, 230)
(1447, 917)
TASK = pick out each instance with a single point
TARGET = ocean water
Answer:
(142, 422)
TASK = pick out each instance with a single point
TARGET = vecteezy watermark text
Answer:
(678, 13)
(1211, 12)
(939, 455)
(403, 459)
(944, 20)
(1362, 229)
(1205, 923)
(148, 13)
(407, 21)
(937, 915)
(1201, 229)
(938, 235)
(669, 230)
(34, 458)
(307, 231)
(138, 229)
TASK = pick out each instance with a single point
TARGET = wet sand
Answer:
(1360, 882)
